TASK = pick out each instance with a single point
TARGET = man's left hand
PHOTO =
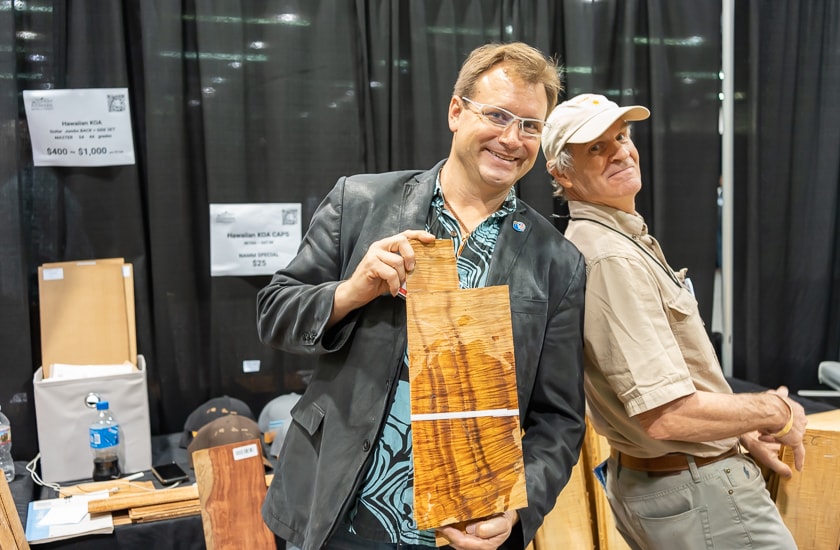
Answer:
(485, 534)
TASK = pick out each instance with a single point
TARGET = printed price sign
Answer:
(253, 239)
(82, 127)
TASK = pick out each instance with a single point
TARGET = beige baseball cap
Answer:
(582, 119)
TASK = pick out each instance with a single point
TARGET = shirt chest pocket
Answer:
(690, 332)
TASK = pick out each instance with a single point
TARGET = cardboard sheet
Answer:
(87, 313)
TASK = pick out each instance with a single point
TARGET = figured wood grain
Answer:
(467, 464)
(434, 267)
(232, 492)
(807, 501)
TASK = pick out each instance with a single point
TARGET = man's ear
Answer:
(560, 177)
(456, 108)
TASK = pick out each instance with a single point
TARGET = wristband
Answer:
(787, 427)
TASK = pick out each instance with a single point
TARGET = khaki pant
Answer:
(723, 505)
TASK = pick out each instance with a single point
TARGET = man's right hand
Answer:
(382, 271)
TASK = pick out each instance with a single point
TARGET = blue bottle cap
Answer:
(102, 405)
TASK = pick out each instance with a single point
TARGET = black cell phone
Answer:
(169, 473)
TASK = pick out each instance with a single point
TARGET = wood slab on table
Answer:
(231, 488)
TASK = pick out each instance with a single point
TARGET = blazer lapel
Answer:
(513, 239)
(417, 197)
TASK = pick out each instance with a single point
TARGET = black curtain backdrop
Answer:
(787, 191)
(272, 101)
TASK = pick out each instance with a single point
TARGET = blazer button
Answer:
(366, 446)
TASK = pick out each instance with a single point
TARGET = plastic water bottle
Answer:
(7, 464)
(105, 444)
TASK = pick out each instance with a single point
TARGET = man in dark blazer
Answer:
(344, 475)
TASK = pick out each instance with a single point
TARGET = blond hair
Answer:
(526, 62)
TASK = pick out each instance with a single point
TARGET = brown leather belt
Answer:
(672, 463)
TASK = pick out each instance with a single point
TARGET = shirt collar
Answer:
(507, 207)
(631, 224)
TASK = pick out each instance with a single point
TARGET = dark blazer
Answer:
(337, 420)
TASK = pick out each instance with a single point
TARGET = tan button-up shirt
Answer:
(644, 341)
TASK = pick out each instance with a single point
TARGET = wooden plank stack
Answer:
(140, 501)
(169, 510)
(130, 499)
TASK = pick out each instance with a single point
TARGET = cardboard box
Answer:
(87, 313)
(65, 409)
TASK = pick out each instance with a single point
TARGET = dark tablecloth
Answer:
(187, 533)
(176, 534)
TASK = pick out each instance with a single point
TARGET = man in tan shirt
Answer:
(676, 477)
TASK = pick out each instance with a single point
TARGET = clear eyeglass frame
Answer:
(530, 128)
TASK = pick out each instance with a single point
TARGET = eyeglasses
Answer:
(502, 118)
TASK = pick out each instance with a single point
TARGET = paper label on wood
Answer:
(248, 451)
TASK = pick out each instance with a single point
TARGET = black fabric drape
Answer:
(264, 102)
(788, 193)
(666, 56)
(16, 279)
